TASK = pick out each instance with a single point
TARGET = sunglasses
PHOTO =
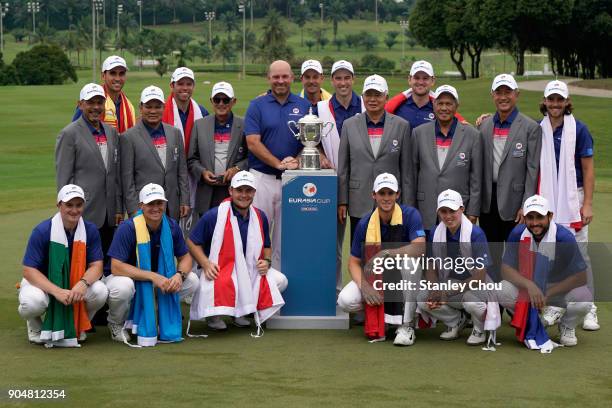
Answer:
(217, 100)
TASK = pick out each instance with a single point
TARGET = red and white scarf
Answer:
(171, 117)
(239, 289)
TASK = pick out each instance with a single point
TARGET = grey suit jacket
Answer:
(461, 171)
(78, 161)
(518, 172)
(140, 165)
(357, 166)
(201, 155)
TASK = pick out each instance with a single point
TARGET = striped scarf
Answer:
(142, 319)
(64, 323)
(110, 113)
(535, 263)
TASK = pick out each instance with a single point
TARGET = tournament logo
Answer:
(296, 110)
(432, 116)
(395, 142)
(309, 189)
(519, 146)
(462, 156)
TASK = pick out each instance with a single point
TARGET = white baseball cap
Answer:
(224, 88)
(112, 62)
(385, 180)
(450, 199)
(504, 79)
(243, 178)
(150, 93)
(70, 191)
(375, 82)
(446, 89)
(536, 203)
(91, 90)
(421, 66)
(312, 64)
(182, 72)
(342, 64)
(556, 87)
(152, 192)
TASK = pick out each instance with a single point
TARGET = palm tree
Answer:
(301, 17)
(229, 20)
(336, 13)
(225, 51)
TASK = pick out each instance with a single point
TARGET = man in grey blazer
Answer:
(512, 144)
(372, 143)
(217, 150)
(87, 154)
(153, 152)
(446, 154)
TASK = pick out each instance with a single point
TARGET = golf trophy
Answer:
(310, 131)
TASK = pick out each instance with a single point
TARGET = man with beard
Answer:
(118, 110)
(272, 146)
(153, 152)
(569, 181)
(390, 230)
(542, 266)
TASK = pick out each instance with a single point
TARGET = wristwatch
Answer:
(183, 274)
(85, 282)
(269, 262)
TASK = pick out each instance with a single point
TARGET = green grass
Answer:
(284, 368)
(594, 83)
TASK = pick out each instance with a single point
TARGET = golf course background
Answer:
(284, 368)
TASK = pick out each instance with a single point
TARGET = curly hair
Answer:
(568, 109)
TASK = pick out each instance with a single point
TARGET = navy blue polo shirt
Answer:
(506, 124)
(411, 223)
(584, 147)
(413, 114)
(123, 247)
(37, 252)
(568, 259)
(268, 118)
(99, 135)
(340, 113)
(78, 112)
(156, 133)
(479, 244)
(203, 232)
(184, 115)
(442, 139)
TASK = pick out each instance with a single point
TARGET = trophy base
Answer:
(309, 160)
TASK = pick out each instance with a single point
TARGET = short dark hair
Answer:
(568, 109)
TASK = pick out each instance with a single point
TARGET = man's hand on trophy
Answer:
(325, 163)
(291, 163)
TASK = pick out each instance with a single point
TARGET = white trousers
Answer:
(33, 302)
(473, 302)
(582, 238)
(268, 198)
(351, 301)
(121, 291)
(577, 302)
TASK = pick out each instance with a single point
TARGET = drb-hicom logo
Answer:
(309, 189)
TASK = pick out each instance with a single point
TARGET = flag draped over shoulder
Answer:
(171, 117)
(535, 263)
(143, 319)
(126, 115)
(374, 325)
(63, 323)
(239, 288)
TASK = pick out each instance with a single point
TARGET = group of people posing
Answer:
(202, 194)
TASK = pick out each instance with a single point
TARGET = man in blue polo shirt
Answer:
(558, 276)
(568, 183)
(204, 236)
(272, 146)
(38, 281)
(393, 225)
(448, 241)
(123, 254)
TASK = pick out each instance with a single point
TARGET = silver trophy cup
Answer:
(310, 131)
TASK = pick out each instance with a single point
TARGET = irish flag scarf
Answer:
(239, 289)
(127, 113)
(143, 319)
(374, 325)
(171, 117)
(535, 263)
(63, 324)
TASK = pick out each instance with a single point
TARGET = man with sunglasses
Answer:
(218, 149)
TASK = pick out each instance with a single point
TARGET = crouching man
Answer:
(62, 266)
(143, 255)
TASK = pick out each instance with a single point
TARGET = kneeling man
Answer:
(231, 243)
(143, 255)
(544, 271)
(456, 287)
(389, 225)
(63, 259)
